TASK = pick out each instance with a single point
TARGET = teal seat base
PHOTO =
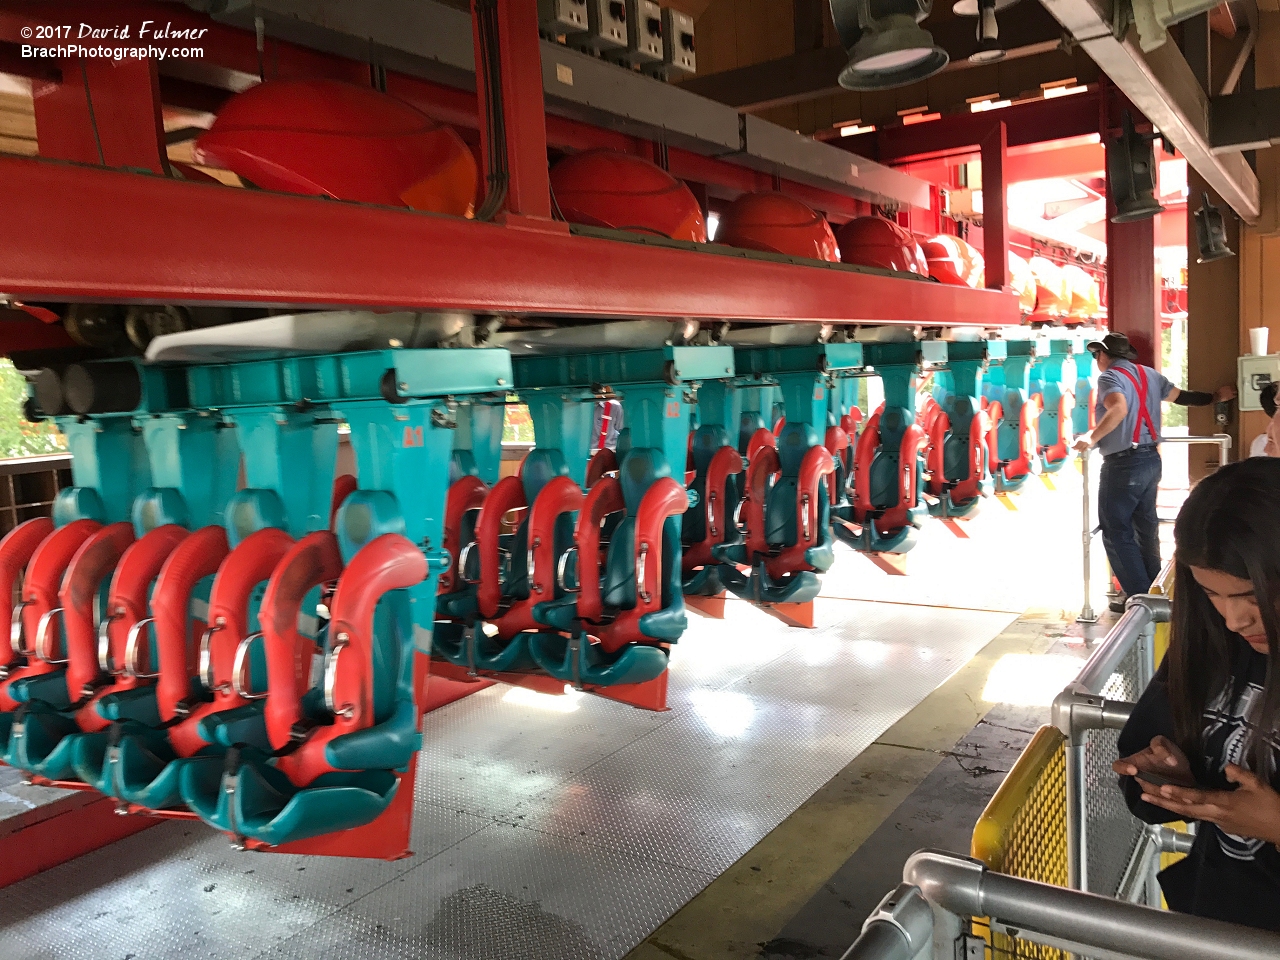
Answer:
(389, 745)
(946, 507)
(137, 705)
(559, 614)
(867, 539)
(758, 587)
(89, 758)
(96, 756)
(705, 582)
(470, 647)
(51, 688)
(144, 771)
(668, 623)
(1006, 485)
(37, 741)
(245, 725)
(577, 661)
(243, 794)
(1053, 466)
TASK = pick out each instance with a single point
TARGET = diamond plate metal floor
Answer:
(545, 827)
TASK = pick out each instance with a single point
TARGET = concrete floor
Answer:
(804, 890)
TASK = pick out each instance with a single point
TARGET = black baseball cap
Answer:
(1267, 398)
(1114, 345)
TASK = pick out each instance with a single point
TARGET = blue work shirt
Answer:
(1112, 381)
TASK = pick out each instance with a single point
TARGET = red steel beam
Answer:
(995, 218)
(148, 239)
(523, 110)
(1034, 122)
(1076, 162)
(103, 111)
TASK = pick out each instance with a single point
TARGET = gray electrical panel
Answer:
(606, 26)
(567, 17)
(644, 33)
(679, 58)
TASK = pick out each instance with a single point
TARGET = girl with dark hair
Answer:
(1206, 731)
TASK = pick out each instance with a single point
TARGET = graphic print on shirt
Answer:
(1227, 734)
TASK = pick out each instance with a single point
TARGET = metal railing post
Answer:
(1077, 818)
(1081, 708)
(1087, 613)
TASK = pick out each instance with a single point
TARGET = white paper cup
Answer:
(1258, 341)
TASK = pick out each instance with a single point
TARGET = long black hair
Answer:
(1231, 524)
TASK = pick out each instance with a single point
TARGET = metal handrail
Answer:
(1223, 441)
(1081, 708)
(929, 916)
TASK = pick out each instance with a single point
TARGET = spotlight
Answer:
(1211, 233)
(887, 46)
(989, 49)
(1131, 174)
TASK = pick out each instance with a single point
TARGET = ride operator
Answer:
(1128, 435)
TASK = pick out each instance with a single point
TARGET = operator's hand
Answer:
(1083, 442)
(1252, 810)
(1222, 394)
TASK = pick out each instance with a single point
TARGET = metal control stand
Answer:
(1087, 613)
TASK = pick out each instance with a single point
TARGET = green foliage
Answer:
(18, 436)
(517, 425)
(1173, 364)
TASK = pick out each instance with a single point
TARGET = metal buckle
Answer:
(346, 711)
(464, 556)
(238, 682)
(17, 631)
(641, 592)
(104, 643)
(131, 651)
(205, 667)
(562, 568)
(42, 647)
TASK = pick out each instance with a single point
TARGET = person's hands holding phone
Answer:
(1162, 761)
(1252, 809)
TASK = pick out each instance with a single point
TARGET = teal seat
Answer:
(626, 651)
(133, 760)
(330, 781)
(468, 644)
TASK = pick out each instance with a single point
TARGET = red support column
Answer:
(995, 218)
(523, 117)
(103, 112)
(1133, 302)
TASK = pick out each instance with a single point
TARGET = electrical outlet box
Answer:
(566, 17)
(679, 58)
(644, 33)
(1254, 374)
(606, 26)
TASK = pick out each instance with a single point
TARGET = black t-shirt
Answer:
(1230, 878)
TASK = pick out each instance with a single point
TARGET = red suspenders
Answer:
(1144, 415)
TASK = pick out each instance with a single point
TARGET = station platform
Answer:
(572, 826)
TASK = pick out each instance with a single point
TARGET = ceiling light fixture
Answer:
(887, 47)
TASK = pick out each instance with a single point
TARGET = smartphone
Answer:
(1160, 779)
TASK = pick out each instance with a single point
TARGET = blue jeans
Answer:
(1127, 514)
